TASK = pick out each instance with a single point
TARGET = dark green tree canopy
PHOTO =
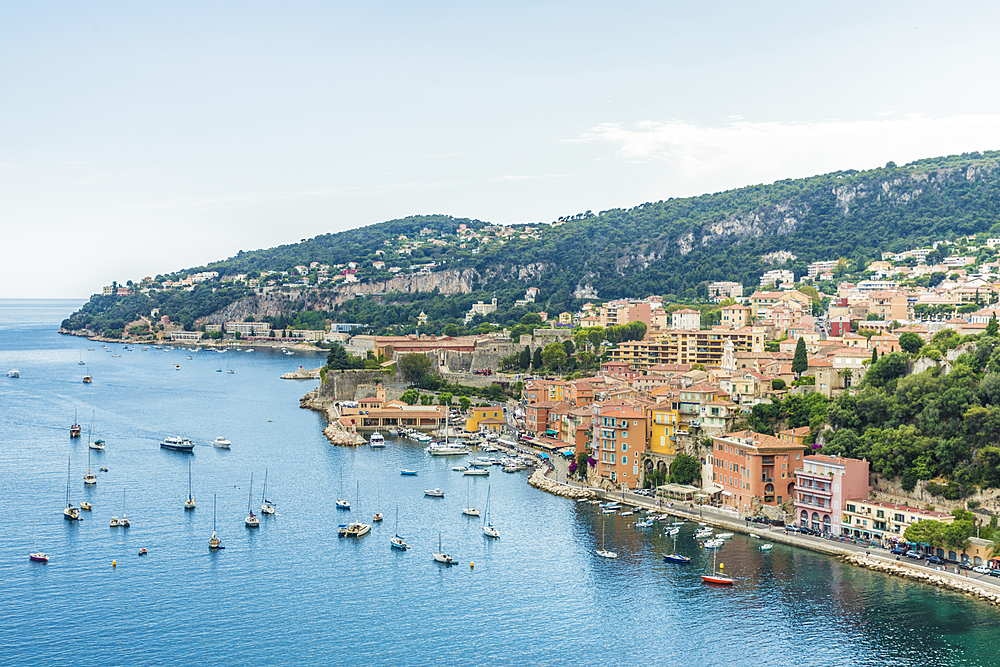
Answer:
(414, 367)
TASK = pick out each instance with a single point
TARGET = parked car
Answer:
(914, 554)
(899, 551)
(965, 565)
(933, 559)
(995, 573)
(981, 569)
(791, 528)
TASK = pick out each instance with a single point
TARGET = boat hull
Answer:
(676, 558)
(716, 580)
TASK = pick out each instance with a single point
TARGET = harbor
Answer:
(539, 586)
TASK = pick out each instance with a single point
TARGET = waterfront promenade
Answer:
(983, 586)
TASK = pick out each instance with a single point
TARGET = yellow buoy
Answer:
(722, 566)
(472, 565)
(114, 563)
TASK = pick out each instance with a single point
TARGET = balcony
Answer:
(767, 478)
(767, 460)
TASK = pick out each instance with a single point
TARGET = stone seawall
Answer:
(335, 432)
(543, 483)
(942, 579)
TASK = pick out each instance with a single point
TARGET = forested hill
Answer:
(667, 247)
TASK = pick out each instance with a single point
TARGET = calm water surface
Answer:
(292, 592)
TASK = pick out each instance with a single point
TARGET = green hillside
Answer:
(668, 247)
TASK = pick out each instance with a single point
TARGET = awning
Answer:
(726, 493)
(551, 432)
(544, 455)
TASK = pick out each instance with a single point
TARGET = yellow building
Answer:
(487, 419)
(662, 430)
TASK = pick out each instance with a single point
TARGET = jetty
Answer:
(302, 374)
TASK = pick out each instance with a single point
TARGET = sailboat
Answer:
(488, 529)
(74, 430)
(469, 510)
(604, 553)
(441, 557)
(676, 557)
(378, 501)
(355, 528)
(189, 503)
(123, 522)
(88, 378)
(342, 503)
(266, 506)
(251, 521)
(214, 542)
(89, 478)
(229, 369)
(35, 554)
(717, 578)
(397, 542)
(96, 444)
(71, 513)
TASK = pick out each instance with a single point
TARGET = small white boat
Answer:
(124, 522)
(766, 547)
(85, 506)
(36, 555)
(441, 557)
(214, 542)
(724, 536)
(89, 478)
(221, 443)
(434, 493)
(603, 552)
(266, 506)
(459, 468)
(643, 524)
(189, 503)
(13, 373)
(377, 440)
(755, 536)
(628, 513)
(488, 529)
(477, 472)
(177, 444)
(251, 520)
(342, 503)
(713, 544)
(71, 513)
(397, 542)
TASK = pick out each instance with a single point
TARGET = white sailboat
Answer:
(469, 510)
(441, 557)
(342, 503)
(71, 513)
(488, 529)
(124, 522)
(214, 542)
(398, 542)
(266, 506)
(35, 554)
(90, 477)
(189, 503)
(356, 528)
(602, 552)
(251, 520)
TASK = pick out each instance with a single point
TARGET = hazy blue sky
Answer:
(137, 139)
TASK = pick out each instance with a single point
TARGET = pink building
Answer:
(822, 485)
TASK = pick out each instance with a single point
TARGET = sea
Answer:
(294, 593)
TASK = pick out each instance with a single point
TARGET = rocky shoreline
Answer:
(539, 481)
(334, 431)
(939, 578)
(210, 343)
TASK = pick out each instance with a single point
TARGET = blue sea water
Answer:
(292, 592)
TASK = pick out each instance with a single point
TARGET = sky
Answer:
(142, 138)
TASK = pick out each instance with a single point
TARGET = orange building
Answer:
(750, 466)
(619, 439)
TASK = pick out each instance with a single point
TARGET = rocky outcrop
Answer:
(335, 432)
(543, 483)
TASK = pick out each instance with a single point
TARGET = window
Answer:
(879, 514)
(850, 508)
(612, 457)
(624, 460)
(624, 446)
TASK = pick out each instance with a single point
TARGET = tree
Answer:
(874, 355)
(685, 469)
(414, 367)
(596, 336)
(927, 531)
(445, 398)
(569, 347)
(524, 359)
(426, 399)
(911, 342)
(337, 359)
(800, 364)
(581, 464)
(410, 397)
(536, 359)
(777, 384)
(992, 328)
(554, 355)
(464, 402)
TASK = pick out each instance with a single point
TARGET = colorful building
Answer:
(822, 487)
(619, 440)
(754, 468)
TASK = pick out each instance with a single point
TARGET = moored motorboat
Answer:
(177, 444)
(434, 493)
(408, 473)
(221, 443)
(13, 373)
(476, 472)
(85, 506)
(766, 547)
(377, 440)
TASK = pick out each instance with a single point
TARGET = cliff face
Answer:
(272, 304)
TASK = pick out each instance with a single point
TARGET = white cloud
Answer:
(769, 150)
